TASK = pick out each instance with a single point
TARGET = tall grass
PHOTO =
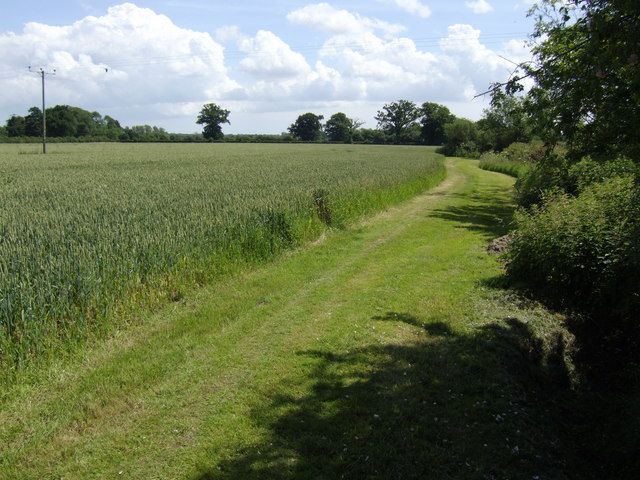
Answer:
(89, 233)
(495, 162)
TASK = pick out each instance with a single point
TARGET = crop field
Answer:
(90, 233)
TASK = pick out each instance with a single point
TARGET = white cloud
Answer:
(328, 19)
(479, 6)
(149, 60)
(271, 58)
(414, 7)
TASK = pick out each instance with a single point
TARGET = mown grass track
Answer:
(378, 352)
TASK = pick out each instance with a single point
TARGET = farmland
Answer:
(90, 233)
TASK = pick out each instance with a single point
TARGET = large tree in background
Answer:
(33, 122)
(587, 75)
(212, 117)
(433, 119)
(396, 117)
(307, 127)
(505, 122)
(340, 128)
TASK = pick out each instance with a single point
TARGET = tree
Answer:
(505, 122)
(67, 121)
(340, 128)
(396, 117)
(212, 117)
(433, 119)
(587, 76)
(16, 126)
(461, 138)
(307, 127)
(33, 122)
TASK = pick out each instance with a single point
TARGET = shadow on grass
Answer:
(488, 404)
(490, 212)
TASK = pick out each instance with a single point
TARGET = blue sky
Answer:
(158, 61)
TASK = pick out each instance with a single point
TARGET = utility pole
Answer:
(42, 73)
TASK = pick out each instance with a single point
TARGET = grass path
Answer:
(377, 352)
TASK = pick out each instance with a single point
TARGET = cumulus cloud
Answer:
(271, 58)
(128, 56)
(414, 7)
(479, 6)
(328, 19)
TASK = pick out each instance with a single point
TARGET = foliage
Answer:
(583, 252)
(212, 117)
(587, 76)
(587, 172)
(396, 117)
(515, 160)
(16, 126)
(548, 174)
(433, 119)
(33, 123)
(64, 121)
(307, 127)
(371, 136)
(527, 153)
(498, 162)
(461, 138)
(505, 123)
(88, 231)
(144, 133)
(340, 128)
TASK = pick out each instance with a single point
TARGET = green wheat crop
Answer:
(88, 232)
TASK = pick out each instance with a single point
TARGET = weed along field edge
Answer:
(382, 351)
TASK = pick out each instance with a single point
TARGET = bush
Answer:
(583, 252)
(588, 171)
(551, 172)
(528, 153)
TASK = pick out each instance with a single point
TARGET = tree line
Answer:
(399, 122)
(67, 123)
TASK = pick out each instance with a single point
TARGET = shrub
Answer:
(549, 173)
(520, 152)
(583, 252)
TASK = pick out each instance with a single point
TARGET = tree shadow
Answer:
(486, 404)
(489, 212)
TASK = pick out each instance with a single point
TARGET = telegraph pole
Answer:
(42, 74)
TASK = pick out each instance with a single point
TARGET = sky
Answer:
(157, 62)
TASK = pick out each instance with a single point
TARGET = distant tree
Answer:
(433, 119)
(67, 121)
(307, 127)
(340, 128)
(16, 126)
(461, 138)
(212, 117)
(396, 117)
(506, 122)
(371, 136)
(33, 122)
(111, 128)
